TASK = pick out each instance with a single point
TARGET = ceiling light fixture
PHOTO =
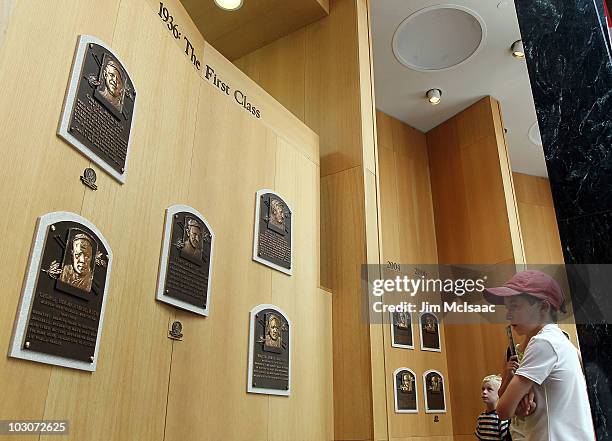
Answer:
(229, 5)
(434, 96)
(517, 49)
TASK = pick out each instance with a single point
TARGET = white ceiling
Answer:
(400, 91)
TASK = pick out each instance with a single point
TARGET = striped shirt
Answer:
(491, 428)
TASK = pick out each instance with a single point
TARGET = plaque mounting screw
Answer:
(52, 227)
(122, 170)
(91, 358)
(167, 291)
(27, 345)
(176, 216)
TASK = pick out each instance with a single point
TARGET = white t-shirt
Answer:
(563, 412)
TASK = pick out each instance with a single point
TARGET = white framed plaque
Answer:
(405, 391)
(434, 390)
(429, 332)
(402, 335)
(186, 261)
(99, 107)
(269, 369)
(65, 292)
(273, 231)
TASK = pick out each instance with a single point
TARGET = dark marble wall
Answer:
(570, 68)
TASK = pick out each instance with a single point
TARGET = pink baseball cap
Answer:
(532, 282)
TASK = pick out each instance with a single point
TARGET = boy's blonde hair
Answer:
(495, 379)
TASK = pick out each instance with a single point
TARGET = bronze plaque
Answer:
(430, 332)
(99, 107)
(269, 357)
(273, 232)
(405, 391)
(433, 383)
(65, 293)
(186, 260)
(401, 330)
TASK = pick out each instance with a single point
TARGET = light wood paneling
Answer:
(39, 173)
(210, 371)
(476, 222)
(273, 115)
(191, 144)
(330, 46)
(253, 26)
(408, 238)
(540, 231)
(469, 189)
(134, 334)
(284, 76)
(325, 60)
(344, 227)
(516, 234)
(538, 220)
(330, 111)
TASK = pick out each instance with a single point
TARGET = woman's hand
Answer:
(527, 405)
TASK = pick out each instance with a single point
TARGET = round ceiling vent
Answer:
(439, 37)
(534, 134)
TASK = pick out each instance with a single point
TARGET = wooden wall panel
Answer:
(190, 144)
(476, 222)
(540, 232)
(344, 225)
(310, 72)
(209, 369)
(538, 220)
(330, 46)
(134, 330)
(466, 167)
(307, 414)
(408, 238)
(284, 77)
(39, 173)
(332, 69)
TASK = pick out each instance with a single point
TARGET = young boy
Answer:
(548, 382)
(489, 427)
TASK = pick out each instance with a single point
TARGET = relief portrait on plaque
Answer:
(405, 391)
(112, 86)
(269, 369)
(186, 260)
(273, 236)
(433, 384)
(401, 330)
(274, 334)
(78, 263)
(65, 292)
(430, 332)
(193, 240)
(99, 107)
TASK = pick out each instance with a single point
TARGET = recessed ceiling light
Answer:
(517, 49)
(438, 38)
(434, 96)
(534, 134)
(229, 5)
